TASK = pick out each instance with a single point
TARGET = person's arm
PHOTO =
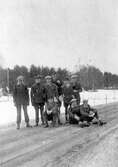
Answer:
(44, 93)
(32, 95)
(14, 95)
(56, 95)
(92, 109)
(61, 87)
(56, 92)
(79, 88)
(27, 94)
(45, 96)
(95, 111)
(63, 91)
(46, 99)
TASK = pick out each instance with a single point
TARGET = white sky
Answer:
(59, 33)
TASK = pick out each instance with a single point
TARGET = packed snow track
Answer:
(65, 146)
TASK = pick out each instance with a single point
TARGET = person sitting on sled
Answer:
(87, 114)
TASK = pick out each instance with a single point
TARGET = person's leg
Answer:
(26, 115)
(18, 107)
(59, 105)
(72, 119)
(99, 121)
(66, 111)
(46, 119)
(55, 116)
(41, 113)
(54, 120)
(59, 112)
(85, 120)
(36, 115)
(96, 114)
(70, 113)
(59, 120)
(89, 119)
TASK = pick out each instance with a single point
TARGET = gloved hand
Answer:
(55, 100)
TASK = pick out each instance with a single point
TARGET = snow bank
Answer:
(8, 110)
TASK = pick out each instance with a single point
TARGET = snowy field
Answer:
(8, 110)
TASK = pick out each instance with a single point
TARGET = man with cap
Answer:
(76, 87)
(21, 99)
(51, 101)
(38, 99)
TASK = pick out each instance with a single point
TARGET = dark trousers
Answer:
(59, 111)
(59, 104)
(37, 107)
(54, 117)
(19, 113)
(66, 105)
(89, 119)
(86, 118)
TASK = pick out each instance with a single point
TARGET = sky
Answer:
(59, 33)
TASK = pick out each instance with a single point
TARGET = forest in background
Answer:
(89, 76)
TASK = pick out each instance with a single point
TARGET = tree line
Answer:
(89, 76)
(8, 76)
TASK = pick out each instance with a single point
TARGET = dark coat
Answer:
(59, 86)
(51, 91)
(76, 90)
(67, 93)
(37, 94)
(21, 95)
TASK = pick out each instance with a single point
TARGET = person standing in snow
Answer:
(21, 99)
(67, 96)
(38, 99)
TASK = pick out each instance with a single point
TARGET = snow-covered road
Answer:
(64, 146)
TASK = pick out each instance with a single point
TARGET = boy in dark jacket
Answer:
(38, 99)
(21, 99)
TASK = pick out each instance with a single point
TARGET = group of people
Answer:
(47, 98)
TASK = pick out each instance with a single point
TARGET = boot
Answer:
(18, 126)
(36, 125)
(42, 121)
(80, 123)
(46, 125)
(28, 125)
(66, 118)
(101, 123)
